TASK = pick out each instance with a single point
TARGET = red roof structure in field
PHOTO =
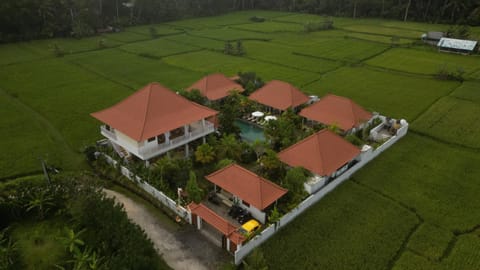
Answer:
(322, 153)
(215, 86)
(248, 186)
(151, 111)
(279, 95)
(337, 110)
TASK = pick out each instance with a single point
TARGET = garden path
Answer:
(182, 250)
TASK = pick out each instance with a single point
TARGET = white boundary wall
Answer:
(164, 199)
(257, 240)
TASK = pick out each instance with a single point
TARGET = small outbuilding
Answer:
(432, 37)
(462, 46)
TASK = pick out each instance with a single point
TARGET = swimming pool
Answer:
(250, 132)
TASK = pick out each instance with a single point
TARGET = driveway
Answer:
(183, 249)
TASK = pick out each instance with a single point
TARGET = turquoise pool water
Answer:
(250, 132)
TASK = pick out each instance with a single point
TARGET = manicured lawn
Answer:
(341, 232)
(135, 71)
(38, 243)
(270, 51)
(438, 180)
(158, 48)
(453, 120)
(231, 65)
(424, 62)
(391, 94)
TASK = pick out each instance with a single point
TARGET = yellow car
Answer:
(249, 227)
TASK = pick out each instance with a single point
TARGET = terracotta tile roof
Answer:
(217, 222)
(337, 110)
(279, 95)
(248, 186)
(151, 111)
(215, 86)
(321, 153)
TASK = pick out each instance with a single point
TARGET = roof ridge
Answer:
(147, 108)
(322, 158)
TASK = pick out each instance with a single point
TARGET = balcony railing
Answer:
(108, 133)
(196, 132)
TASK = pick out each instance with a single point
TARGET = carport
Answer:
(231, 239)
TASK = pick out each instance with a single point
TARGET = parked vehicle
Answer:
(249, 227)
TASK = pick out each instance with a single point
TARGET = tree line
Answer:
(31, 19)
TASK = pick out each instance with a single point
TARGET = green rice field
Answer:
(413, 207)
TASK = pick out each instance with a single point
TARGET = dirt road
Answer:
(182, 250)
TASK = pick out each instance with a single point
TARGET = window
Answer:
(107, 127)
(246, 203)
(151, 139)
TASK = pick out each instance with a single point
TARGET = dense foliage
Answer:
(28, 19)
(98, 234)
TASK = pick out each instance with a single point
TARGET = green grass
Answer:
(233, 18)
(453, 120)
(64, 95)
(157, 48)
(135, 71)
(270, 27)
(344, 49)
(438, 180)
(468, 91)
(382, 30)
(269, 51)
(38, 244)
(378, 38)
(302, 18)
(228, 33)
(126, 36)
(341, 232)
(198, 42)
(70, 45)
(161, 29)
(15, 53)
(391, 94)
(430, 241)
(24, 140)
(231, 65)
(424, 62)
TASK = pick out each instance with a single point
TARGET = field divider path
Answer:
(405, 241)
(50, 129)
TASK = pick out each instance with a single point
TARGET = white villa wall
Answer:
(366, 157)
(160, 196)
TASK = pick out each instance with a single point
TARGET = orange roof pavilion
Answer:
(322, 153)
(279, 95)
(337, 110)
(151, 111)
(248, 186)
(215, 86)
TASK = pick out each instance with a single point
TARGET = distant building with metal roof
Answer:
(457, 45)
(432, 37)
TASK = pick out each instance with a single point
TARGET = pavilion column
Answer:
(147, 163)
(204, 140)
(185, 131)
(228, 244)
(203, 122)
(187, 152)
(167, 137)
(199, 222)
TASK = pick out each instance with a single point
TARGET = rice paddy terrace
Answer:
(415, 207)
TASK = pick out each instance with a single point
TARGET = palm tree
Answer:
(72, 240)
(41, 201)
(228, 147)
(205, 154)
